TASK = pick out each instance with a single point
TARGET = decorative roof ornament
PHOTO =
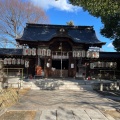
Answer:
(62, 30)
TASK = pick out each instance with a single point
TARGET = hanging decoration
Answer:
(92, 54)
(104, 64)
(5, 61)
(33, 51)
(78, 53)
(9, 61)
(13, 61)
(39, 51)
(26, 63)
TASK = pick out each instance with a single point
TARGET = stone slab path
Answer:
(47, 99)
(74, 114)
(66, 105)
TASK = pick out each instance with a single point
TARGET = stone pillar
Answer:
(101, 86)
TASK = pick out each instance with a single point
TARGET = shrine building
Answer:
(61, 51)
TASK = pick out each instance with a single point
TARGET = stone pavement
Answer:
(67, 104)
(74, 114)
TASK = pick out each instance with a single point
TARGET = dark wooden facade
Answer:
(62, 41)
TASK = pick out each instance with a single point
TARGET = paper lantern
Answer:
(95, 54)
(18, 61)
(43, 52)
(48, 52)
(39, 51)
(77, 54)
(83, 53)
(5, 61)
(88, 54)
(13, 61)
(25, 51)
(29, 51)
(9, 61)
(26, 63)
(22, 61)
(33, 51)
(74, 53)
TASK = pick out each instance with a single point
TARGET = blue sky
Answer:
(60, 12)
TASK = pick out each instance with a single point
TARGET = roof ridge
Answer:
(56, 25)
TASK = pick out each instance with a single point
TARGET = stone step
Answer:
(56, 85)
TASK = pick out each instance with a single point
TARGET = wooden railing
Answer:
(60, 55)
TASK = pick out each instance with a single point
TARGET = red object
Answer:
(89, 78)
(38, 70)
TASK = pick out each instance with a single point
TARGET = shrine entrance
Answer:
(60, 69)
(61, 51)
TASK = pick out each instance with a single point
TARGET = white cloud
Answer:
(59, 4)
(110, 45)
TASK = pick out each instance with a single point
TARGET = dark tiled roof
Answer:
(110, 55)
(10, 51)
(43, 32)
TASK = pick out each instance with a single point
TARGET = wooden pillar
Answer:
(45, 67)
(72, 67)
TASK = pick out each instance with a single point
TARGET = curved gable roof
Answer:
(43, 33)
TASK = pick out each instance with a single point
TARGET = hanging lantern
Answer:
(22, 61)
(88, 54)
(111, 64)
(99, 64)
(39, 51)
(44, 52)
(95, 64)
(79, 53)
(33, 51)
(48, 52)
(29, 51)
(5, 61)
(94, 54)
(83, 53)
(91, 65)
(9, 61)
(26, 63)
(107, 64)
(102, 64)
(74, 53)
(25, 51)
(18, 61)
(13, 61)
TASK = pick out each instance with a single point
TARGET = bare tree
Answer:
(14, 14)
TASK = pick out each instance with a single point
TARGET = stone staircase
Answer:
(56, 84)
